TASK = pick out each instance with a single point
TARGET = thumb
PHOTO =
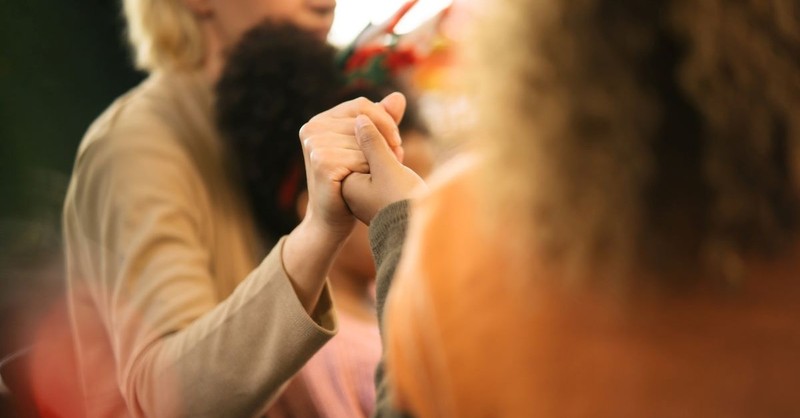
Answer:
(395, 105)
(373, 144)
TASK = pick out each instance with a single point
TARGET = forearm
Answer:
(308, 253)
(387, 234)
(232, 360)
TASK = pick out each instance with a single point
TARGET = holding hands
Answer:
(332, 152)
(354, 166)
(388, 180)
(354, 162)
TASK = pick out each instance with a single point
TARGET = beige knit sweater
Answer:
(172, 313)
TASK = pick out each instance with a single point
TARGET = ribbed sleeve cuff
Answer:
(387, 232)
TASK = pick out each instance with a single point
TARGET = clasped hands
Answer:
(353, 158)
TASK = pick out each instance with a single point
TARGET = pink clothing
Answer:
(338, 381)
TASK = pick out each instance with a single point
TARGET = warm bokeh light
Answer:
(353, 15)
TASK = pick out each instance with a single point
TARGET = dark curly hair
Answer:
(657, 136)
(276, 78)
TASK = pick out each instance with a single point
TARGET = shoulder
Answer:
(153, 114)
(456, 173)
(134, 149)
(451, 199)
(443, 235)
(156, 123)
(129, 120)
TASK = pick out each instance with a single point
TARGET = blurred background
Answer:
(61, 63)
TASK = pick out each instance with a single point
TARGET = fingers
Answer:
(381, 117)
(332, 140)
(312, 143)
(371, 142)
(399, 153)
(356, 190)
(334, 164)
(330, 157)
(395, 105)
(343, 126)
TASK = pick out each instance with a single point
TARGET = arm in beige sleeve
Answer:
(179, 350)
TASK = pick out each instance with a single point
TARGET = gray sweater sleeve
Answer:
(387, 232)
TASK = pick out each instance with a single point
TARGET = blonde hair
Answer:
(647, 140)
(164, 34)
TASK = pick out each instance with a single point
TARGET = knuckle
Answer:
(313, 126)
(362, 101)
(311, 142)
(316, 158)
(363, 104)
(368, 135)
(323, 154)
(316, 120)
(320, 157)
(305, 130)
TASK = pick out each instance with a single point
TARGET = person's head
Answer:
(180, 34)
(659, 136)
(276, 78)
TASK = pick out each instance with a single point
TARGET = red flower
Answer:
(401, 58)
(362, 56)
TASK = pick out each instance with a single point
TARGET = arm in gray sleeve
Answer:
(387, 233)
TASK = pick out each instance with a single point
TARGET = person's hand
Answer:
(388, 180)
(331, 153)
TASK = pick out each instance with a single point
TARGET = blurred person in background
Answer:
(622, 239)
(174, 309)
(61, 64)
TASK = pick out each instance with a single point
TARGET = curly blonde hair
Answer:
(164, 34)
(649, 136)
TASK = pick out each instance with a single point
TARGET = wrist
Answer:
(315, 242)
(324, 233)
(307, 255)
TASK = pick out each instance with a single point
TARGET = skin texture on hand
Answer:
(388, 180)
(331, 153)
